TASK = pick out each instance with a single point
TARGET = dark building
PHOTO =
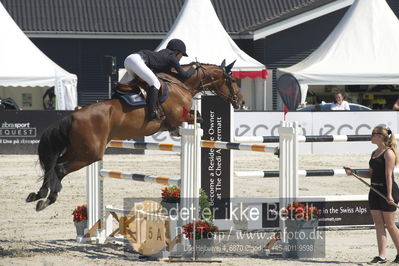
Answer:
(77, 34)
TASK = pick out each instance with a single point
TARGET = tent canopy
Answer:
(207, 41)
(23, 64)
(362, 49)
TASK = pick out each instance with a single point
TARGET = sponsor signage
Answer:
(319, 123)
(215, 163)
(333, 213)
(20, 131)
(311, 123)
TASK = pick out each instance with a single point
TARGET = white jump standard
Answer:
(99, 228)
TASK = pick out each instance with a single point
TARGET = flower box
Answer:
(300, 230)
(171, 194)
(80, 219)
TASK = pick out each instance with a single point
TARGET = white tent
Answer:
(362, 49)
(23, 64)
(207, 41)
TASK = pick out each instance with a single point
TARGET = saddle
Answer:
(135, 93)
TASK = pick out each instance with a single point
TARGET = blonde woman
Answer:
(382, 164)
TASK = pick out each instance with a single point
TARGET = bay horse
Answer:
(80, 138)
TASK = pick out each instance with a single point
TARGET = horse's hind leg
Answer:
(60, 172)
(42, 193)
(44, 189)
(42, 204)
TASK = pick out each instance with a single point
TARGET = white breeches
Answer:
(135, 65)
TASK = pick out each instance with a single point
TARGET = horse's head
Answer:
(223, 84)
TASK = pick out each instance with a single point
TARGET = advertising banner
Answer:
(311, 123)
(20, 131)
(319, 123)
(333, 213)
(215, 163)
(289, 91)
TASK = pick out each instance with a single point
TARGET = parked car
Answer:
(327, 107)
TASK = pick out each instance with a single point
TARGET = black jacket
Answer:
(164, 61)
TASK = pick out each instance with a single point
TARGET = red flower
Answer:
(299, 211)
(80, 213)
(203, 229)
(171, 194)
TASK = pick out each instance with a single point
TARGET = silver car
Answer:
(327, 107)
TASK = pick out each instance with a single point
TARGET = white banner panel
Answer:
(312, 123)
(350, 123)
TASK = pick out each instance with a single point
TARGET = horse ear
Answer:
(223, 64)
(229, 67)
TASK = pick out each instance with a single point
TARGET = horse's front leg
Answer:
(174, 131)
(191, 117)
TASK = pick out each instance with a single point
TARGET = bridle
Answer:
(233, 97)
(227, 77)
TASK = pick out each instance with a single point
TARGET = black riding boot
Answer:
(152, 103)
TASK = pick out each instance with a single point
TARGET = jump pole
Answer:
(301, 173)
(126, 144)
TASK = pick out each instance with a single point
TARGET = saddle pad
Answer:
(137, 99)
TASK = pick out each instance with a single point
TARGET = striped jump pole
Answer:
(236, 146)
(276, 173)
(334, 138)
(140, 177)
(257, 139)
(309, 138)
(204, 143)
(319, 172)
(143, 145)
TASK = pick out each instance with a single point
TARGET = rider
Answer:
(145, 63)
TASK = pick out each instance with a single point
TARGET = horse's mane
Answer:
(205, 64)
(169, 76)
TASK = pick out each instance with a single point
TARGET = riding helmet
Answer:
(177, 45)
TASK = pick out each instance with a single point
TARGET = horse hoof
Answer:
(175, 133)
(31, 197)
(41, 205)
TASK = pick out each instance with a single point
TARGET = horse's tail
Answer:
(53, 143)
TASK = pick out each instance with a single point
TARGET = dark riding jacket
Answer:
(163, 61)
